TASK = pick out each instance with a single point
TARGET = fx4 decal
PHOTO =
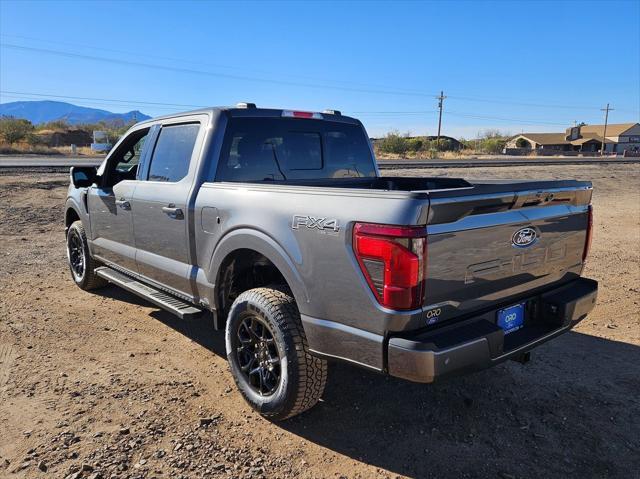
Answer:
(321, 224)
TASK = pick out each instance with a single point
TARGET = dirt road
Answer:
(103, 385)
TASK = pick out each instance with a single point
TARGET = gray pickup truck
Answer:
(279, 224)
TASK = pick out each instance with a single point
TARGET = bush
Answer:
(13, 130)
(493, 145)
(394, 143)
(397, 144)
(489, 141)
(414, 144)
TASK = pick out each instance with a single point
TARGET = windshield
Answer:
(276, 149)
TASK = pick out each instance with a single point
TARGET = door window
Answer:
(172, 154)
(123, 164)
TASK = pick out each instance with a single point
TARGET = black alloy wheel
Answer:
(258, 354)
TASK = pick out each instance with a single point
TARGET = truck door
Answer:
(109, 202)
(160, 211)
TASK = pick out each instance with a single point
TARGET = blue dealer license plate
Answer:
(512, 318)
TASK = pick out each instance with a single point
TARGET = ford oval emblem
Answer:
(524, 237)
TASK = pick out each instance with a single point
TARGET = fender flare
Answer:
(247, 238)
(71, 204)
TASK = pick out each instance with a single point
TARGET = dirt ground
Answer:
(104, 385)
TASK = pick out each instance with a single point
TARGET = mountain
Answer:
(44, 111)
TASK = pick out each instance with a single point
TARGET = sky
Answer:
(507, 65)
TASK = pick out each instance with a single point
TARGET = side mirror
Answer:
(83, 176)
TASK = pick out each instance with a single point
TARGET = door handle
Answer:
(124, 204)
(173, 212)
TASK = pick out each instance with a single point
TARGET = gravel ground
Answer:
(104, 385)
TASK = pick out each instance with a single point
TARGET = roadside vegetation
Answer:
(397, 145)
(19, 136)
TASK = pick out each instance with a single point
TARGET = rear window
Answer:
(276, 149)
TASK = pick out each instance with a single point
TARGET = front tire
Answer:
(269, 356)
(81, 264)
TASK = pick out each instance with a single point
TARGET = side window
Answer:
(172, 154)
(131, 157)
(124, 163)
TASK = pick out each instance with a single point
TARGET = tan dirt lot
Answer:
(104, 385)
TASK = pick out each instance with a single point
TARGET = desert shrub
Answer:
(394, 143)
(445, 144)
(13, 130)
(32, 139)
(489, 141)
(414, 144)
(493, 145)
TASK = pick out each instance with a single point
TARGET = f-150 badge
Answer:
(311, 222)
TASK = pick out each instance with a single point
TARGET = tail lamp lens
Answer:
(393, 261)
(587, 241)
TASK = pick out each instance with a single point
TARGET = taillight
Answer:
(587, 241)
(393, 261)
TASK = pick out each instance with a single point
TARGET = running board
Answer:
(179, 307)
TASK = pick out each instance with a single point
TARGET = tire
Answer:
(81, 264)
(301, 377)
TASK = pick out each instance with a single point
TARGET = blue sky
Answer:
(532, 66)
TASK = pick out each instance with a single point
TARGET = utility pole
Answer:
(440, 99)
(607, 109)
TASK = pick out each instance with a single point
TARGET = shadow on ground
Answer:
(572, 411)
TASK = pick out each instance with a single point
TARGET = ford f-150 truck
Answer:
(278, 224)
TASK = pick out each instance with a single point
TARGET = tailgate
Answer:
(496, 241)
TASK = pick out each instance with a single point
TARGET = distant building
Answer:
(586, 138)
(100, 141)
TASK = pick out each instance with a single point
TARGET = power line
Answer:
(200, 63)
(522, 103)
(149, 103)
(400, 114)
(366, 114)
(93, 103)
(369, 89)
(204, 72)
(498, 118)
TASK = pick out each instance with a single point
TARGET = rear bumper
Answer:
(478, 343)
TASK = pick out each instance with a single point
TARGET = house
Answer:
(584, 138)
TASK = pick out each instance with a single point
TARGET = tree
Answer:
(13, 130)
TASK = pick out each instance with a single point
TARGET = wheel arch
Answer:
(70, 215)
(251, 244)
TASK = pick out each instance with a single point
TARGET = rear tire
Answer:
(81, 264)
(264, 324)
